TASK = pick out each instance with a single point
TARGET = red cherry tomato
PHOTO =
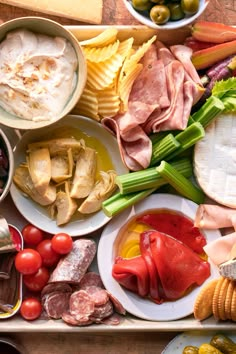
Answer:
(37, 281)
(31, 309)
(28, 261)
(32, 235)
(62, 243)
(49, 256)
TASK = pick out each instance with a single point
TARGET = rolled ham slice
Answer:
(219, 250)
(214, 217)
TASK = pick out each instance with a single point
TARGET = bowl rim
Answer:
(147, 22)
(30, 23)
(10, 157)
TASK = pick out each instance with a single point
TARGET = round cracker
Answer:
(228, 299)
(221, 299)
(233, 304)
(215, 298)
(203, 302)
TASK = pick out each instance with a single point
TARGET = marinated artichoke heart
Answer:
(102, 190)
(62, 174)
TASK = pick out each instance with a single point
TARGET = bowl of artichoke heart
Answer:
(63, 173)
(166, 14)
(42, 72)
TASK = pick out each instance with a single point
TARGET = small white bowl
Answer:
(50, 28)
(5, 144)
(144, 18)
(38, 215)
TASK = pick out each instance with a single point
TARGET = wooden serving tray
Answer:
(129, 323)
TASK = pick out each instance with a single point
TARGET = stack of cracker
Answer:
(217, 298)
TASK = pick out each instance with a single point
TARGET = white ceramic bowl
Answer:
(53, 29)
(6, 146)
(144, 18)
(107, 252)
(39, 216)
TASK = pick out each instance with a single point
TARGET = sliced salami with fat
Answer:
(91, 279)
(118, 306)
(56, 303)
(103, 311)
(61, 287)
(73, 266)
(113, 320)
(81, 304)
(98, 295)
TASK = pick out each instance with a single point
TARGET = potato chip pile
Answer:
(112, 66)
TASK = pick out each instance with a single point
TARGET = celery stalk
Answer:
(163, 148)
(182, 185)
(187, 138)
(149, 178)
(211, 108)
(118, 202)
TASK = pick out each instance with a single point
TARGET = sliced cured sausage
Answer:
(81, 304)
(73, 266)
(56, 303)
(61, 287)
(71, 320)
(116, 303)
(101, 312)
(113, 320)
(91, 279)
(98, 295)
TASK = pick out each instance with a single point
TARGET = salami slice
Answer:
(91, 279)
(71, 320)
(101, 312)
(73, 266)
(56, 303)
(61, 287)
(81, 304)
(98, 295)
(118, 306)
(113, 320)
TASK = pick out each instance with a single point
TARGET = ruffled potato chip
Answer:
(97, 55)
(102, 75)
(108, 103)
(103, 39)
(87, 104)
(125, 86)
(125, 47)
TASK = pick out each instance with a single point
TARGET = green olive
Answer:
(190, 7)
(176, 12)
(160, 14)
(142, 5)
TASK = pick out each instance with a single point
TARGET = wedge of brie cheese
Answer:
(215, 160)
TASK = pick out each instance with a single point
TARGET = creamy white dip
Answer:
(37, 74)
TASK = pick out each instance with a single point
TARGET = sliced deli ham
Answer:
(211, 216)
(219, 251)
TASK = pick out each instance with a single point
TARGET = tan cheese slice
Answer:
(215, 160)
(82, 10)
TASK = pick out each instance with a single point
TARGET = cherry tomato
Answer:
(31, 309)
(49, 256)
(28, 261)
(32, 235)
(62, 243)
(37, 281)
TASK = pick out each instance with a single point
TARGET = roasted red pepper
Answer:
(133, 274)
(178, 266)
(178, 226)
(145, 248)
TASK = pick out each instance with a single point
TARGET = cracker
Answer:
(233, 304)
(215, 298)
(203, 302)
(228, 299)
(221, 299)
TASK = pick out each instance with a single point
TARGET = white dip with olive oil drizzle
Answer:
(37, 74)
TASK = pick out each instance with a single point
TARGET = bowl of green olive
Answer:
(166, 14)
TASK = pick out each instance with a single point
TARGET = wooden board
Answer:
(89, 11)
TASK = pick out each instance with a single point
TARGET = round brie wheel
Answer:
(215, 160)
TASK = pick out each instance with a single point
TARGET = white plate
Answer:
(133, 303)
(38, 215)
(177, 344)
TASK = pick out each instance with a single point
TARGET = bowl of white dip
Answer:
(42, 72)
